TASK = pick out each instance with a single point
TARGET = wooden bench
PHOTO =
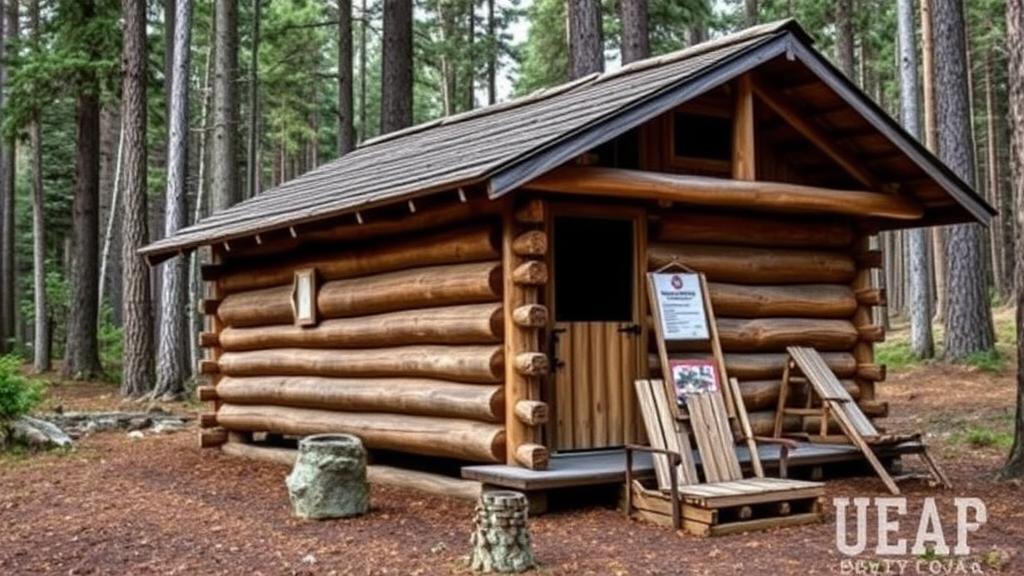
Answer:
(807, 368)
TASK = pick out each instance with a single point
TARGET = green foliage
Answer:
(111, 343)
(544, 57)
(990, 360)
(896, 355)
(18, 394)
(982, 437)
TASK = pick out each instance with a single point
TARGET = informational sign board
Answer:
(680, 306)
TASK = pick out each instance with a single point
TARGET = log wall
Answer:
(408, 352)
(776, 283)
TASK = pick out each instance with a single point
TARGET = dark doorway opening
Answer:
(594, 268)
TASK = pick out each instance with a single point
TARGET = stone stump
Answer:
(329, 478)
(501, 538)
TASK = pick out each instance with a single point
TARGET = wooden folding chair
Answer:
(726, 502)
(808, 369)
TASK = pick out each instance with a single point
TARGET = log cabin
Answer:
(470, 290)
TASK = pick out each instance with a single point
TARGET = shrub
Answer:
(987, 360)
(18, 394)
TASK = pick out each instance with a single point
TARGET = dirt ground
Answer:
(160, 505)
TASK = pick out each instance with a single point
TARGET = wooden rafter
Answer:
(744, 165)
(778, 103)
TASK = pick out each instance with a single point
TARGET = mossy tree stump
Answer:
(501, 539)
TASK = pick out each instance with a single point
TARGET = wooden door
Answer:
(596, 339)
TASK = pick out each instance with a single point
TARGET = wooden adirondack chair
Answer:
(807, 368)
(726, 503)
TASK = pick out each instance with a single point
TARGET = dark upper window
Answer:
(705, 137)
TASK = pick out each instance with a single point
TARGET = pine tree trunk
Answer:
(586, 52)
(346, 134)
(396, 70)
(492, 55)
(110, 278)
(138, 334)
(968, 316)
(920, 306)
(224, 188)
(844, 36)
(195, 284)
(82, 360)
(171, 370)
(469, 59)
(635, 41)
(252, 167)
(364, 130)
(41, 331)
(1003, 290)
(1015, 48)
(931, 142)
(7, 168)
(750, 12)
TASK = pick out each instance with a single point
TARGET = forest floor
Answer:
(160, 505)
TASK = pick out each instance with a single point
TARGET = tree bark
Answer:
(224, 186)
(346, 133)
(968, 317)
(172, 354)
(844, 37)
(396, 68)
(138, 334)
(586, 52)
(82, 359)
(750, 10)
(635, 40)
(252, 166)
(7, 163)
(363, 18)
(921, 342)
(1014, 467)
(41, 345)
(492, 55)
(931, 142)
(1003, 289)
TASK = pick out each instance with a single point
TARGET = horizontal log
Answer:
(426, 435)
(874, 408)
(532, 363)
(530, 316)
(754, 366)
(532, 456)
(871, 372)
(206, 393)
(762, 423)
(469, 324)
(707, 228)
(798, 300)
(209, 340)
(869, 259)
(422, 396)
(484, 364)
(208, 367)
(764, 394)
(207, 420)
(532, 412)
(532, 243)
(775, 334)
(871, 296)
(451, 247)
(756, 265)
(431, 286)
(871, 333)
(212, 437)
(426, 482)
(721, 192)
(531, 273)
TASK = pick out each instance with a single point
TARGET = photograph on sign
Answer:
(693, 376)
(681, 306)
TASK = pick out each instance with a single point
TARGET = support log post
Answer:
(209, 435)
(524, 245)
(868, 332)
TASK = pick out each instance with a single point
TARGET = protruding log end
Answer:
(208, 420)
(870, 259)
(531, 213)
(871, 372)
(212, 437)
(530, 316)
(874, 408)
(532, 243)
(871, 333)
(532, 363)
(210, 306)
(532, 456)
(532, 412)
(871, 296)
(531, 273)
(209, 340)
(207, 393)
(209, 367)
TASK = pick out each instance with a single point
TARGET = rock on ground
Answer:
(37, 434)
(329, 478)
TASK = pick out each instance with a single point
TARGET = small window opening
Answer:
(705, 137)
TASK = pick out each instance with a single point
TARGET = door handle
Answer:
(631, 329)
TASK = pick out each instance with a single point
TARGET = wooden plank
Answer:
(582, 424)
(598, 383)
(564, 401)
(744, 166)
(655, 433)
(676, 438)
(613, 373)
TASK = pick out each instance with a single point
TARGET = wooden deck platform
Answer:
(609, 466)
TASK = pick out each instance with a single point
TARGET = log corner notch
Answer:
(210, 434)
(868, 332)
(524, 246)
